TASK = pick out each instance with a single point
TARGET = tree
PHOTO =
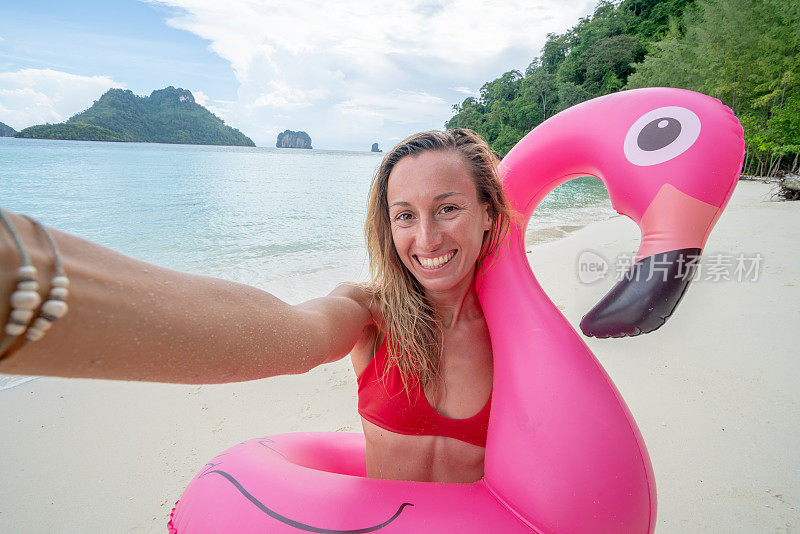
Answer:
(593, 58)
(744, 52)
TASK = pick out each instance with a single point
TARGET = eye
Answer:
(404, 216)
(448, 209)
(660, 135)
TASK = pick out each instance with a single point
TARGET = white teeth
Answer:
(433, 263)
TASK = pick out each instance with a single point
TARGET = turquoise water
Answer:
(246, 214)
(287, 221)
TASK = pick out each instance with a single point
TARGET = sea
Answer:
(287, 221)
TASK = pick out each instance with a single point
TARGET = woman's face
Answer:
(437, 220)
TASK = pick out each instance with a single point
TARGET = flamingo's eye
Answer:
(660, 135)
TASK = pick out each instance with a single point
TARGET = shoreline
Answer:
(713, 393)
(189, 144)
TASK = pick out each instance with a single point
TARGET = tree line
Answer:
(743, 52)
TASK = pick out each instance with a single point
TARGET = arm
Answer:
(131, 320)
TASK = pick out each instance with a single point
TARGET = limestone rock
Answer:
(6, 130)
(290, 139)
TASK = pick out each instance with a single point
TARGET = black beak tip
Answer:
(641, 302)
(593, 326)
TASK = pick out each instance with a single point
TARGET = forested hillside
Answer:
(747, 54)
(69, 131)
(168, 115)
(741, 51)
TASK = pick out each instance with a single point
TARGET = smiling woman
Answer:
(430, 230)
(436, 197)
(436, 210)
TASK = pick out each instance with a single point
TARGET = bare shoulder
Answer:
(363, 296)
(356, 292)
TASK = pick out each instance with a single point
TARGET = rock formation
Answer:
(6, 130)
(290, 139)
(375, 148)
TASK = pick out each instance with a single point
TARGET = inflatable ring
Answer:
(563, 452)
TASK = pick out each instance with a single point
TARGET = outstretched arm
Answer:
(131, 320)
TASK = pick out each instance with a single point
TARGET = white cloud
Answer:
(464, 90)
(402, 107)
(352, 72)
(201, 98)
(220, 108)
(35, 96)
(283, 97)
(348, 72)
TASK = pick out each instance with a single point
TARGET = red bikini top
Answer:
(384, 402)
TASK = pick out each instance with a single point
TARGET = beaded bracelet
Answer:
(26, 298)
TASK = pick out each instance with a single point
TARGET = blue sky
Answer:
(127, 40)
(348, 73)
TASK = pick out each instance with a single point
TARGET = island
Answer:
(290, 139)
(375, 148)
(6, 130)
(168, 115)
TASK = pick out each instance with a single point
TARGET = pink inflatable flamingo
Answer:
(563, 451)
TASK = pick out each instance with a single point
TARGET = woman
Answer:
(416, 335)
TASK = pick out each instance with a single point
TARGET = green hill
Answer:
(168, 115)
(6, 130)
(69, 130)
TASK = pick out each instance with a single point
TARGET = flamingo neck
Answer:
(538, 165)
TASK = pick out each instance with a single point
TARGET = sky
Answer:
(349, 73)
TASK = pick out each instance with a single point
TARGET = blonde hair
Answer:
(415, 345)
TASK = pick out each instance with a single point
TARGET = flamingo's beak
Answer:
(674, 228)
(645, 298)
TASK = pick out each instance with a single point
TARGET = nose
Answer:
(429, 235)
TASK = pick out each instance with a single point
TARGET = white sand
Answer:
(715, 393)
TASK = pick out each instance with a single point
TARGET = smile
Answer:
(437, 262)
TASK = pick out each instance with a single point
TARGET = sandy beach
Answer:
(714, 393)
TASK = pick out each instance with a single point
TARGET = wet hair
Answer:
(416, 338)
